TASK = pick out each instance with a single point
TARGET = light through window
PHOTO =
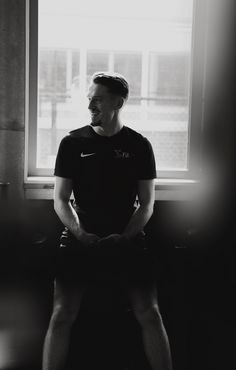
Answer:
(150, 43)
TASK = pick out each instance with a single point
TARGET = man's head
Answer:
(107, 94)
(115, 83)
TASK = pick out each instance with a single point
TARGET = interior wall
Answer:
(12, 95)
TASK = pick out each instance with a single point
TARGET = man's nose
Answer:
(91, 104)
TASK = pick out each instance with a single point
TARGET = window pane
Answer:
(52, 98)
(130, 65)
(96, 61)
(169, 77)
(168, 92)
(52, 69)
(150, 45)
(57, 101)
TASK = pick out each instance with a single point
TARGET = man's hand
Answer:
(112, 240)
(122, 242)
(88, 239)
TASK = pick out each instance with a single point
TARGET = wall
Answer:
(12, 77)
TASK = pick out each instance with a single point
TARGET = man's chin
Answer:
(96, 123)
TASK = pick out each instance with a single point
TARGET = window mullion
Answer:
(68, 69)
(144, 84)
(83, 71)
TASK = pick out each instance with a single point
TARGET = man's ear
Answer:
(120, 102)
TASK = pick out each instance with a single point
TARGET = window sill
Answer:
(165, 189)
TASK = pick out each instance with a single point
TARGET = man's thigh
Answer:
(138, 280)
(139, 284)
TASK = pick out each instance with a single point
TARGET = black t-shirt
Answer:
(105, 173)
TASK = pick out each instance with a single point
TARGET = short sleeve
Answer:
(64, 159)
(147, 164)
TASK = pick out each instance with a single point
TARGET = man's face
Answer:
(102, 104)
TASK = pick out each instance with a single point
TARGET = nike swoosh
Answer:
(86, 154)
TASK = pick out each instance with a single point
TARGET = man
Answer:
(107, 166)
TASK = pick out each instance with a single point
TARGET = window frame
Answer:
(196, 96)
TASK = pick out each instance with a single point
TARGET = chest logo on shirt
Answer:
(119, 154)
(86, 154)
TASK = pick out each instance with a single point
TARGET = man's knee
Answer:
(148, 316)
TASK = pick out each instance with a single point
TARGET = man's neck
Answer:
(109, 129)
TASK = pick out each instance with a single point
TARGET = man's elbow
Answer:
(148, 208)
(59, 204)
(56, 205)
(151, 209)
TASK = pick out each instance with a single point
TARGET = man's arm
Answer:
(66, 213)
(146, 197)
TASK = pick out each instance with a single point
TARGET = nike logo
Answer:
(86, 154)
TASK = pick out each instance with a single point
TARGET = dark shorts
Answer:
(130, 263)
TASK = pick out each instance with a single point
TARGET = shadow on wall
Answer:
(29, 231)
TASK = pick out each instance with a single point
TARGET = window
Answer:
(157, 45)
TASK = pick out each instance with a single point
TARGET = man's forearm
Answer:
(69, 217)
(137, 222)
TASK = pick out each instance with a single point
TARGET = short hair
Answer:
(115, 82)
